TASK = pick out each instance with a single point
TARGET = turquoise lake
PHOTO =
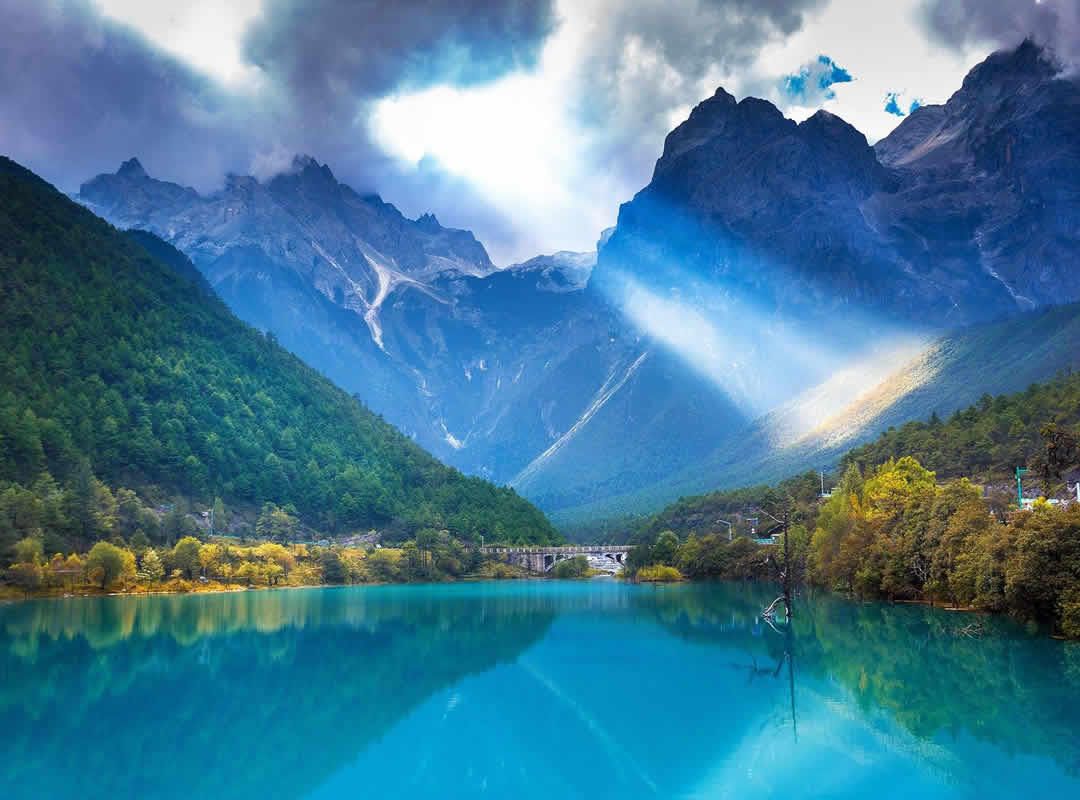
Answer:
(527, 690)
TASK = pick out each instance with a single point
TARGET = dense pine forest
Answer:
(122, 369)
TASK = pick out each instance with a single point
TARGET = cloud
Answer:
(1004, 23)
(331, 53)
(813, 83)
(646, 64)
(80, 91)
(565, 142)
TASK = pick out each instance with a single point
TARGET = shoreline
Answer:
(8, 595)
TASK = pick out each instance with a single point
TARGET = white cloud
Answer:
(884, 47)
(523, 142)
(205, 33)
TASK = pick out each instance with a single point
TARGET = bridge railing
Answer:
(496, 549)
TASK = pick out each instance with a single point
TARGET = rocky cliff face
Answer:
(300, 226)
(989, 183)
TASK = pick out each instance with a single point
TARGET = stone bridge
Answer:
(541, 559)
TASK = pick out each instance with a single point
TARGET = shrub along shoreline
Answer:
(192, 565)
(895, 534)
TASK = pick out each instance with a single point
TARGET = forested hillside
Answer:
(112, 359)
(990, 439)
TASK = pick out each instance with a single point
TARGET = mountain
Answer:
(521, 374)
(866, 285)
(990, 181)
(406, 314)
(965, 212)
(850, 288)
(111, 356)
(768, 278)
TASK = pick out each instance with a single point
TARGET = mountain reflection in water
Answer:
(534, 689)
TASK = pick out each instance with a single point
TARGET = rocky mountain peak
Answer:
(836, 141)
(828, 126)
(307, 173)
(239, 182)
(428, 222)
(302, 162)
(719, 118)
(131, 169)
(1011, 70)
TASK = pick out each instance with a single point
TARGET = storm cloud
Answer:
(1004, 23)
(78, 92)
(330, 51)
(81, 92)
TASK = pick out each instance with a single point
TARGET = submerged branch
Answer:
(971, 631)
(768, 612)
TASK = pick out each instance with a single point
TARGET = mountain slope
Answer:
(109, 355)
(985, 441)
(946, 374)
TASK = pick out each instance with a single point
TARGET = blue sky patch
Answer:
(895, 104)
(814, 81)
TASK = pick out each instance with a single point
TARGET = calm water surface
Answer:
(523, 690)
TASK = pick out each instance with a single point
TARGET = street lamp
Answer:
(725, 522)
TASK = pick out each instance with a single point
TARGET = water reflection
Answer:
(535, 689)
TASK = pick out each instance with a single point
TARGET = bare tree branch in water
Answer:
(972, 631)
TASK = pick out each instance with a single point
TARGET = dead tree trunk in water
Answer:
(787, 569)
(784, 570)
